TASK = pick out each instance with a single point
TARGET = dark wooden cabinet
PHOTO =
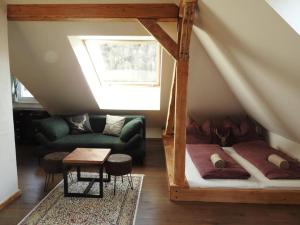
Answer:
(24, 124)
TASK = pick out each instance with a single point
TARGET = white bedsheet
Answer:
(257, 179)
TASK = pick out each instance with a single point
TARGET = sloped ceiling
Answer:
(257, 53)
(43, 60)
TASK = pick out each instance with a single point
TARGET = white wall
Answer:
(208, 94)
(290, 147)
(8, 167)
(257, 54)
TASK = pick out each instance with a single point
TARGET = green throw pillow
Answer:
(54, 128)
(130, 129)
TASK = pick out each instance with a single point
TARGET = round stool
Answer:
(52, 163)
(119, 165)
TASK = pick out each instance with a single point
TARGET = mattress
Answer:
(256, 180)
(200, 155)
(257, 152)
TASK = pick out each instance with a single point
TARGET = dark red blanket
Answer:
(200, 155)
(257, 152)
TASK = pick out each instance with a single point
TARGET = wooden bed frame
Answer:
(233, 195)
(174, 136)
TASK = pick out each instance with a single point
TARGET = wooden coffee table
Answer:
(85, 157)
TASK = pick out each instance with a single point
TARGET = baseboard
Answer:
(10, 199)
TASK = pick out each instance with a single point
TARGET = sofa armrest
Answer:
(130, 129)
(134, 142)
(136, 147)
(41, 138)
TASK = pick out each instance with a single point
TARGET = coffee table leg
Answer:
(101, 181)
(78, 173)
(108, 178)
(65, 173)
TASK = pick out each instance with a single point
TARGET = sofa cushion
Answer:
(92, 140)
(130, 129)
(54, 127)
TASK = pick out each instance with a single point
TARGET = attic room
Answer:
(149, 112)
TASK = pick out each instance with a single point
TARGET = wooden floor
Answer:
(155, 207)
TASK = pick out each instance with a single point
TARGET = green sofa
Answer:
(53, 134)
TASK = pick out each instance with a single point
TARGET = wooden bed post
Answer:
(185, 28)
(171, 110)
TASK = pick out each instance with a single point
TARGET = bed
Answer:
(258, 189)
(256, 180)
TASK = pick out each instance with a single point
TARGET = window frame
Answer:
(126, 40)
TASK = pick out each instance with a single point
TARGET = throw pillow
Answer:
(197, 135)
(130, 129)
(79, 124)
(246, 131)
(243, 131)
(206, 127)
(114, 125)
(221, 132)
(192, 129)
(54, 127)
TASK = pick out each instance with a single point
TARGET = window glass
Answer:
(21, 93)
(125, 62)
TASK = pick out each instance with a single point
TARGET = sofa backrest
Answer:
(98, 122)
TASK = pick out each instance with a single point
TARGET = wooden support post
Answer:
(171, 110)
(185, 29)
(181, 5)
(180, 118)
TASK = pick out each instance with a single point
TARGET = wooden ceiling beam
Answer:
(161, 36)
(61, 12)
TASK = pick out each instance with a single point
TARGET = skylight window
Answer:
(134, 62)
(123, 72)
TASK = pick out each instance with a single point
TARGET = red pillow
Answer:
(192, 128)
(195, 135)
(206, 127)
(243, 132)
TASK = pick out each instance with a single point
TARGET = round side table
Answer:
(119, 165)
(52, 164)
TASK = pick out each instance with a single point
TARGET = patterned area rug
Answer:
(119, 209)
